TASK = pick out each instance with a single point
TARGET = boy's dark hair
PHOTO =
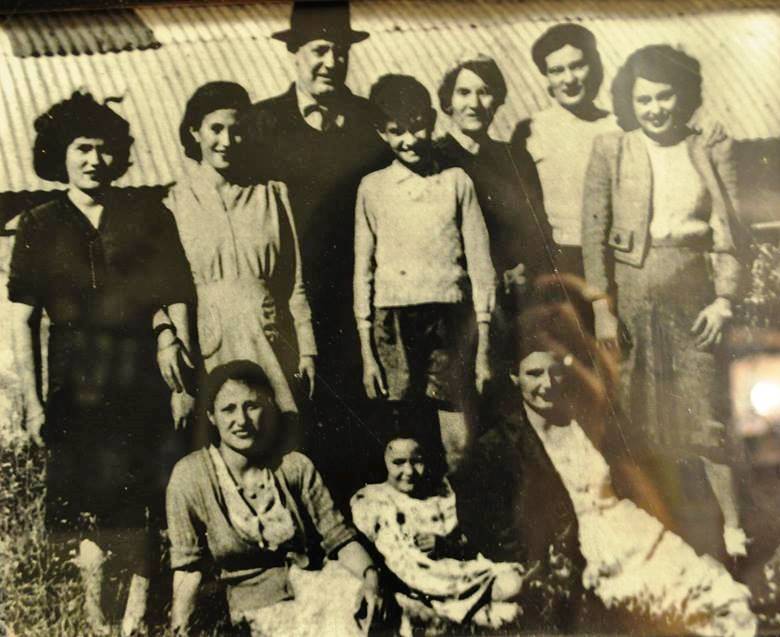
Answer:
(399, 98)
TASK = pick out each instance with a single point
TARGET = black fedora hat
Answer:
(319, 20)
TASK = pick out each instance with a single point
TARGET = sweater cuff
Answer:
(483, 317)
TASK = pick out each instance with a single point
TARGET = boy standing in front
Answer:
(423, 272)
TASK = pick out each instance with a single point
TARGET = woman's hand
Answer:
(33, 422)
(168, 362)
(515, 278)
(709, 324)
(370, 599)
(482, 372)
(306, 370)
(606, 323)
(182, 405)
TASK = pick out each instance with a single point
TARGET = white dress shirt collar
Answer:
(316, 115)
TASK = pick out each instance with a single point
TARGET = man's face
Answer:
(321, 67)
(567, 75)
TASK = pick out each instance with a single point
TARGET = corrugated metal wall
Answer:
(737, 47)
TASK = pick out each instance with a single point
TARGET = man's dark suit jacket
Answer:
(322, 171)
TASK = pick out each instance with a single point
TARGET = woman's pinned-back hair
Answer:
(483, 66)
(212, 96)
(663, 64)
(242, 371)
(576, 35)
(80, 115)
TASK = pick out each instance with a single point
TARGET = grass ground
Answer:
(40, 595)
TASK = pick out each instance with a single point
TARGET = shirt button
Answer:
(403, 272)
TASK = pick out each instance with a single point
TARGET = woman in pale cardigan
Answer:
(659, 246)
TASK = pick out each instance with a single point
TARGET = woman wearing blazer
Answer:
(658, 239)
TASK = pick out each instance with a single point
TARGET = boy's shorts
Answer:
(427, 350)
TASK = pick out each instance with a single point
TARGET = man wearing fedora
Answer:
(317, 137)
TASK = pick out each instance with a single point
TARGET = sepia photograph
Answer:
(389, 318)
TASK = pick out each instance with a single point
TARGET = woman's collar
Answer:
(468, 143)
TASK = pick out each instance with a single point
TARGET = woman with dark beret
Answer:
(100, 265)
(660, 244)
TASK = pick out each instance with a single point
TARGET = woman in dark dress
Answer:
(507, 187)
(100, 266)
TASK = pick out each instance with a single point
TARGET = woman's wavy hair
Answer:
(557, 37)
(483, 66)
(212, 96)
(657, 63)
(80, 115)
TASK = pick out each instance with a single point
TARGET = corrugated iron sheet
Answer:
(737, 47)
(77, 33)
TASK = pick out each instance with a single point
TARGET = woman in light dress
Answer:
(242, 246)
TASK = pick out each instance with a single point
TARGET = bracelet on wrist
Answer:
(163, 327)
(174, 343)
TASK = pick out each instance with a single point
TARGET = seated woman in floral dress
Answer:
(411, 519)
(632, 562)
(247, 507)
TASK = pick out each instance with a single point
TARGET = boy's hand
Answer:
(306, 369)
(373, 382)
(482, 372)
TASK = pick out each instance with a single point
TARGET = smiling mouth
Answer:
(573, 91)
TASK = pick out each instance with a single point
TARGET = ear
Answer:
(195, 134)
(382, 135)
(515, 379)
(210, 416)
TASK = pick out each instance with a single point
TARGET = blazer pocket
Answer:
(621, 239)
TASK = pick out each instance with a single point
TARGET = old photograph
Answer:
(390, 317)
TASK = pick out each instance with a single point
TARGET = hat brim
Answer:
(288, 35)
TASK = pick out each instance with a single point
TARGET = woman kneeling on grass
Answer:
(249, 508)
